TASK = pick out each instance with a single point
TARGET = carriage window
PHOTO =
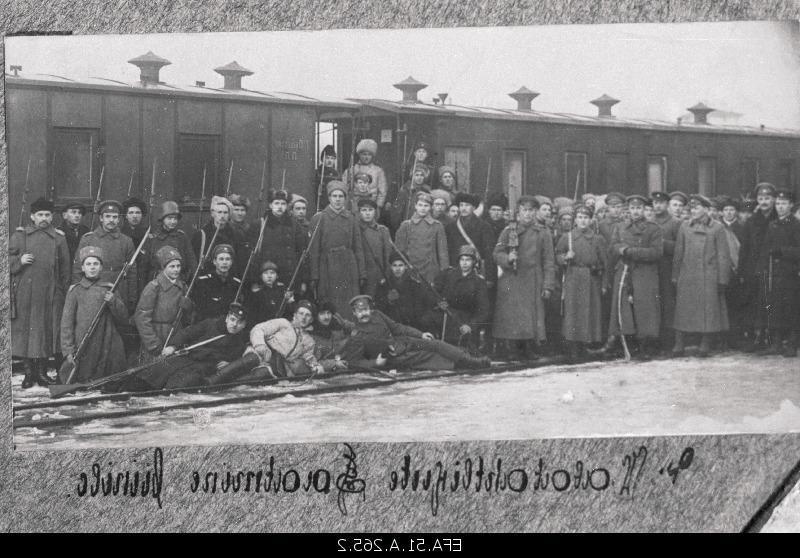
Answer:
(656, 174)
(198, 151)
(574, 174)
(786, 173)
(616, 177)
(459, 159)
(750, 176)
(706, 175)
(513, 175)
(75, 164)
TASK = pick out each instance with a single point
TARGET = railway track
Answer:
(79, 410)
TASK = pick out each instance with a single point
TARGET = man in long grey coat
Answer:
(701, 270)
(40, 271)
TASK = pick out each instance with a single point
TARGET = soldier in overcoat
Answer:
(402, 297)
(734, 297)
(669, 230)
(377, 245)
(583, 254)
(636, 249)
(701, 270)
(470, 230)
(168, 234)
(782, 247)
(338, 267)
(214, 292)
(71, 226)
(326, 171)
(104, 354)
(245, 233)
(525, 253)
(441, 201)
(221, 210)
(424, 240)
(263, 299)
(160, 303)
(283, 244)
(117, 249)
(299, 209)
(367, 150)
(201, 365)
(40, 274)
(134, 226)
(465, 294)
(753, 279)
(405, 203)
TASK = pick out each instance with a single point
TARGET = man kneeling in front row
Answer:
(377, 340)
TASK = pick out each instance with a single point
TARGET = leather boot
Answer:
(679, 348)
(572, 352)
(790, 349)
(41, 373)
(754, 342)
(30, 376)
(530, 350)
(773, 347)
(234, 370)
(705, 346)
(473, 363)
(512, 350)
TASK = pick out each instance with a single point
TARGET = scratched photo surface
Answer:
(682, 444)
(557, 111)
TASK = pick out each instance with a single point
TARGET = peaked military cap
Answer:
(361, 299)
(367, 202)
(678, 195)
(638, 199)
(109, 206)
(785, 194)
(236, 309)
(700, 199)
(167, 254)
(528, 200)
(305, 304)
(422, 145)
(659, 196)
(327, 151)
(615, 198)
(585, 210)
(42, 204)
(75, 205)
(765, 189)
(269, 265)
(223, 249)
(90, 252)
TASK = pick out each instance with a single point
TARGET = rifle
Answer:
(768, 296)
(253, 252)
(97, 199)
(261, 190)
(12, 299)
(130, 183)
(427, 283)
(202, 260)
(619, 312)
(230, 175)
(68, 368)
(202, 199)
(577, 184)
(60, 390)
(303, 256)
(152, 191)
(321, 182)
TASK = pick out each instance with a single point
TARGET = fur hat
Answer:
(677, 194)
(334, 185)
(134, 202)
(42, 204)
(366, 177)
(308, 305)
(362, 297)
(297, 198)
(368, 145)
(327, 151)
(444, 169)
(420, 167)
(167, 254)
(236, 309)
(240, 200)
(468, 250)
(466, 197)
(533, 201)
(278, 195)
(585, 210)
(440, 194)
(90, 252)
(544, 200)
(497, 199)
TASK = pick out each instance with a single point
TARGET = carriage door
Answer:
(459, 159)
(513, 176)
(76, 164)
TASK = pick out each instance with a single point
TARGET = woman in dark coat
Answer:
(584, 255)
(701, 269)
(105, 353)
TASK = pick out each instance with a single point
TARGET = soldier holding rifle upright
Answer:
(167, 233)
(40, 271)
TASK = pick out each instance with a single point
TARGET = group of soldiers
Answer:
(430, 277)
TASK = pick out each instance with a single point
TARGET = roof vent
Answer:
(200, 83)
(604, 104)
(410, 87)
(443, 97)
(149, 65)
(233, 74)
(700, 112)
(16, 69)
(523, 96)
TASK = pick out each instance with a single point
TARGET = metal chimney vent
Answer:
(604, 104)
(410, 87)
(700, 112)
(233, 74)
(149, 66)
(523, 96)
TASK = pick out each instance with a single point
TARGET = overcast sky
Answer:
(656, 70)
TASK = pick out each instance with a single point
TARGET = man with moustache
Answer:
(40, 274)
(71, 226)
